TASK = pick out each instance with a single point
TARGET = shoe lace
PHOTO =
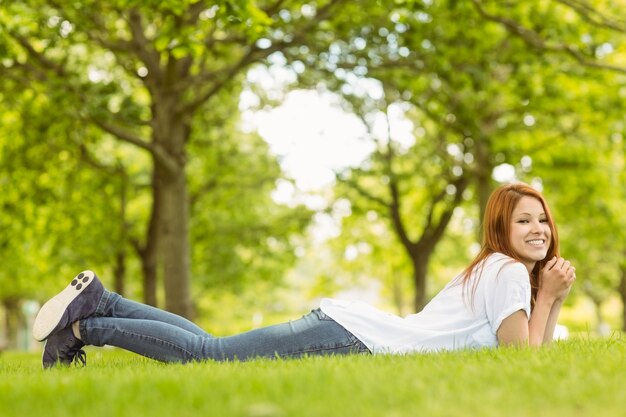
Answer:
(78, 355)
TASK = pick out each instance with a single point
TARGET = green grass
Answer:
(575, 378)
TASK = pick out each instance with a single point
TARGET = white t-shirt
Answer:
(451, 320)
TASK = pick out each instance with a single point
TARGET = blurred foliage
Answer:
(535, 88)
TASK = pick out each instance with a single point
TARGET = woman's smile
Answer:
(530, 232)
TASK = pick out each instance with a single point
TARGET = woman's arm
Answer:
(517, 330)
(540, 319)
(557, 278)
(548, 335)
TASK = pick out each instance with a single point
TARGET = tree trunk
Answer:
(149, 253)
(119, 272)
(170, 134)
(11, 322)
(483, 189)
(622, 293)
(483, 179)
(420, 252)
(149, 270)
(398, 294)
(419, 259)
(175, 245)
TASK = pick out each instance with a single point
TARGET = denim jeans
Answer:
(166, 337)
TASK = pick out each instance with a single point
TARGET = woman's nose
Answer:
(536, 227)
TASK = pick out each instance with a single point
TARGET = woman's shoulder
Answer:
(497, 263)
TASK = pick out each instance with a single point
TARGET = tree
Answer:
(477, 90)
(542, 26)
(49, 218)
(415, 189)
(142, 73)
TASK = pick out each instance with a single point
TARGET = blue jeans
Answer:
(166, 337)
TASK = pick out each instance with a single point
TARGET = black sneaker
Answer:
(63, 348)
(77, 301)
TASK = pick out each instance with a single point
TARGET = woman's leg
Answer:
(313, 334)
(115, 306)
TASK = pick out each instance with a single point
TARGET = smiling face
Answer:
(530, 233)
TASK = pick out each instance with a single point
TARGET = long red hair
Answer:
(497, 230)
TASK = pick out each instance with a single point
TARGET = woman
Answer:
(517, 270)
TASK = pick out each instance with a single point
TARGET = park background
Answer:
(235, 161)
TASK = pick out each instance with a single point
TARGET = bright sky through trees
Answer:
(311, 134)
(314, 137)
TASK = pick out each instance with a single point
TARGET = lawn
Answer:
(580, 377)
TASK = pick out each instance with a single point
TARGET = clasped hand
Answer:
(557, 277)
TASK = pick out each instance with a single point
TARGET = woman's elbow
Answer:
(514, 331)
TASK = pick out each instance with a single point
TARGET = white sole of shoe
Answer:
(52, 311)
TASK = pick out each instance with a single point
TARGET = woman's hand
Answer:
(555, 281)
(557, 278)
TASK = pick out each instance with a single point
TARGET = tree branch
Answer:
(434, 233)
(535, 40)
(157, 152)
(217, 86)
(193, 12)
(273, 8)
(204, 189)
(396, 217)
(39, 57)
(364, 193)
(93, 162)
(431, 211)
(394, 208)
(122, 134)
(593, 16)
(94, 31)
(142, 46)
(253, 54)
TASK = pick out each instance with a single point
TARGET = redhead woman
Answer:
(518, 271)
